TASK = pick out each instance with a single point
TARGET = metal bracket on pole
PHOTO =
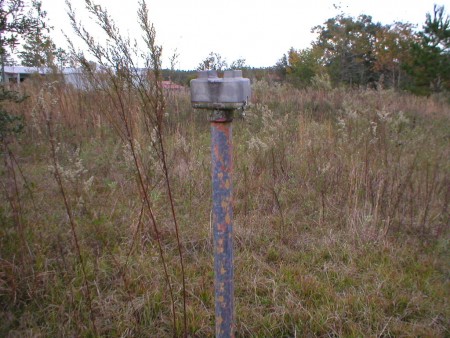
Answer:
(221, 97)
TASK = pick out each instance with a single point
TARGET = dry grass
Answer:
(341, 218)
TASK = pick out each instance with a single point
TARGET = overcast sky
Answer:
(260, 31)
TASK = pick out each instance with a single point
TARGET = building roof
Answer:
(171, 85)
(26, 70)
(39, 70)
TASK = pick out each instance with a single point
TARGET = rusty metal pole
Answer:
(222, 168)
(221, 97)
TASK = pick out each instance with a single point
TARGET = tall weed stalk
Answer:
(136, 98)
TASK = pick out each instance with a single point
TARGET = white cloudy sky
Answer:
(259, 31)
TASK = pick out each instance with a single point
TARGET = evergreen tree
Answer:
(17, 23)
(9, 60)
(39, 49)
(430, 65)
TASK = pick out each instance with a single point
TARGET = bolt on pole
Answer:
(221, 97)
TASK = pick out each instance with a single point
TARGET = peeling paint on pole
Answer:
(222, 168)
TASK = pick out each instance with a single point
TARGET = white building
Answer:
(17, 74)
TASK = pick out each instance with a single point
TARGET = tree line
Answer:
(360, 52)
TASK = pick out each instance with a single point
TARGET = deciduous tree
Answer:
(347, 46)
(238, 64)
(213, 61)
(392, 53)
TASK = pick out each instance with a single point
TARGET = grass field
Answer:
(341, 222)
